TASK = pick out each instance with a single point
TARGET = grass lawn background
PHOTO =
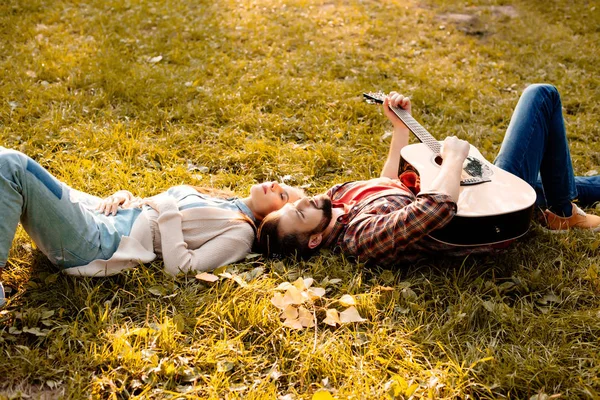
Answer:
(144, 95)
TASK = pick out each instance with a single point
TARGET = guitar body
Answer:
(493, 211)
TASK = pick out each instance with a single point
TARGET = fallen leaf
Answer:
(35, 331)
(292, 323)
(14, 331)
(289, 312)
(299, 284)
(347, 300)
(225, 366)
(207, 277)
(294, 296)
(351, 315)
(220, 270)
(308, 282)
(240, 281)
(253, 274)
(316, 292)
(277, 301)
(333, 317)
(284, 286)
(157, 290)
(549, 298)
(306, 318)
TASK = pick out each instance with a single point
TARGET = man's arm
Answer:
(400, 135)
(454, 152)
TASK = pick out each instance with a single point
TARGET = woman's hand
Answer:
(110, 205)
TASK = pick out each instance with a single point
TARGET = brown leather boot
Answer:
(579, 219)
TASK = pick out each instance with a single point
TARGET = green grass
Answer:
(253, 90)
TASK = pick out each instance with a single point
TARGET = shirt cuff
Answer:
(167, 205)
(437, 197)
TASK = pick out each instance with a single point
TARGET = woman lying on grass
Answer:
(89, 236)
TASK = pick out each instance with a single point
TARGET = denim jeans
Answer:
(535, 149)
(60, 220)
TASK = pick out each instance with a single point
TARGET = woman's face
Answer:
(271, 196)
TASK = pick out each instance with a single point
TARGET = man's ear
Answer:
(315, 240)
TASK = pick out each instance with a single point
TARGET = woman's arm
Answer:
(233, 244)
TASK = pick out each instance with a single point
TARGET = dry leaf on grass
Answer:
(292, 323)
(207, 277)
(289, 312)
(333, 317)
(305, 317)
(351, 315)
(347, 300)
(316, 293)
(277, 301)
(284, 286)
(294, 296)
(303, 283)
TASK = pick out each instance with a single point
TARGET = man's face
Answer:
(308, 215)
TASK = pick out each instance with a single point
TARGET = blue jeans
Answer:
(535, 149)
(61, 221)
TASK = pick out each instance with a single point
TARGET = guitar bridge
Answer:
(474, 181)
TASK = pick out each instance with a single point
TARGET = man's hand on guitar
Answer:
(395, 99)
(455, 149)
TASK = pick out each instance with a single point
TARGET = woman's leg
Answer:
(535, 148)
(66, 232)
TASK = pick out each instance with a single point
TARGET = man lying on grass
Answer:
(389, 219)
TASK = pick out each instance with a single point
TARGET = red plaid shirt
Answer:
(391, 224)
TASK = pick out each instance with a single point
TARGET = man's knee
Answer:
(542, 89)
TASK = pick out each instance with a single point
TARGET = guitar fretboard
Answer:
(416, 128)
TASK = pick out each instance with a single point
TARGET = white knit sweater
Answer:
(195, 239)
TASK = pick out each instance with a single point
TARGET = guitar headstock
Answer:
(374, 97)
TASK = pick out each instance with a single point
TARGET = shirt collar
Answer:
(245, 209)
(338, 227)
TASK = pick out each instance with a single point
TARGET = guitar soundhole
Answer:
(438, 160)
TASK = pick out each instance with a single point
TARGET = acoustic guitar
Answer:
(494, 206)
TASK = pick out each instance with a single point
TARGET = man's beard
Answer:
(327, 208)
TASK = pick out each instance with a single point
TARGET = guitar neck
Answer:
(416, 128)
